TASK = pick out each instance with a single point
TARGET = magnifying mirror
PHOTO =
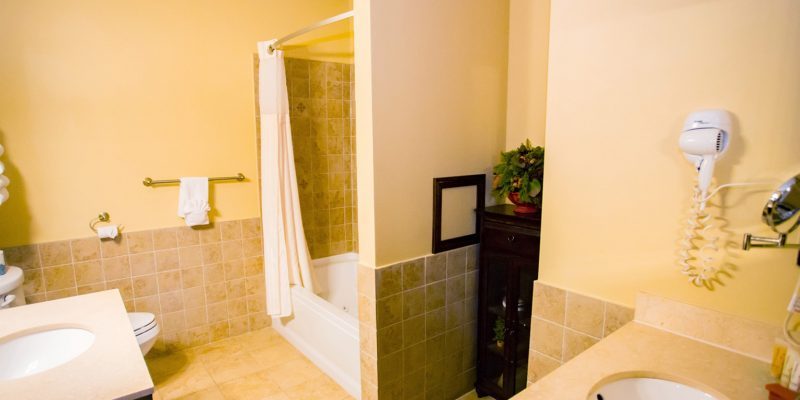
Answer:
(782, 212)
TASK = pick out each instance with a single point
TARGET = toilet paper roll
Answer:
(107, 232)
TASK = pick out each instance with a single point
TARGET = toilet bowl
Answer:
(145, 328)
(11, 291)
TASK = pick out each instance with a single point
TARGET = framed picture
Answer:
(455, 200)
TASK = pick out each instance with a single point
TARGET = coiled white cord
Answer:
(700, 267)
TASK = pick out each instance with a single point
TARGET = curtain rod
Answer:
(310, 28)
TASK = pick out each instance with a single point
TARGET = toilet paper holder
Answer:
(102, 217)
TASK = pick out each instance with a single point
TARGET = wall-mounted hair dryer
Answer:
(705, 137)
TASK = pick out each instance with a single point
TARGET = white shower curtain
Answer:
(286, 258)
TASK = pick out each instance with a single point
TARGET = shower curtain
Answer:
(286, 258)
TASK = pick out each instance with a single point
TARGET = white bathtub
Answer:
(325, 327)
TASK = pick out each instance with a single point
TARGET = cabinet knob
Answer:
(511, 238)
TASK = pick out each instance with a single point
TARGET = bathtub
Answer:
(324, 327)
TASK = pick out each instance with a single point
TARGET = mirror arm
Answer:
(751, 241)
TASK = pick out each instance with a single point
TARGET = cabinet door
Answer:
(523, 272)
(494, 368)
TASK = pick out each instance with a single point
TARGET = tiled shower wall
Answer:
(418, 326)
(321, 96)
(202, 284)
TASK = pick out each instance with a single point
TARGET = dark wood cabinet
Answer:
(509, 263)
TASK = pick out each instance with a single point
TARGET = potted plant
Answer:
(519, 177)
(499, 331)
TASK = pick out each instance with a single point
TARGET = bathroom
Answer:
(98, 96)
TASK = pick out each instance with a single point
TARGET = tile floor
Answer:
(258, 365)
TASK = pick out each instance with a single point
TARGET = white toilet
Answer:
(12, 294)
(145, 328)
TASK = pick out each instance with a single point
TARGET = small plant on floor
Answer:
(500, 331)
(519, 176)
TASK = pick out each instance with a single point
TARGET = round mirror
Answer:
(782, 212)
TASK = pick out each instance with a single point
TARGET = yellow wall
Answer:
(622, 77)
(527, 71)
(438, 109)
(96, 95)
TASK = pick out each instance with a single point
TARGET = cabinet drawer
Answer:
(509, 241)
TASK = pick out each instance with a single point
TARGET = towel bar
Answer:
(150, 182)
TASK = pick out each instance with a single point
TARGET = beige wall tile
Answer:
(388, 280)
(413, 330)
(366, 281)
(165, 238)
(125, 287)
(251, 228)
(187, 236)
(139, 242)
(192, 277)
(146, 285)
(575, 343)
(435, 322)
(233, 269)
(584, 314)
(456, 262)
(116, 268)
(413, 273)
(232, 250)
(541, 365)
(167, 260)
(456, 289)
(85, 249)
(59, 277)
(142, 264)
(616, 317)
(547, 337)
(254, 266)
(194, 297)
(389, 310)
(390, 339)
(413, 302)
(25, 257)
(88, 272)
(209, 233)
(169, 281)
(190, 256)
(212, 253)
(454, 315)
(549, 302)
(230, 230)
(114, 247)
(55, 253)
(435, 295)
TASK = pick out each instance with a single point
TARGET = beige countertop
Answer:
(112, 368)
(643, 351)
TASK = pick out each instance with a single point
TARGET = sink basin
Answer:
(39, 351)
(647, 389)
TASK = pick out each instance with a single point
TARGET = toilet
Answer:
(12, 294)
(145, 328)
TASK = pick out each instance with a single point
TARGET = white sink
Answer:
(39, 351)
(647, 389)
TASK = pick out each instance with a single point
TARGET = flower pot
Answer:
(500, 344)
(522, 208)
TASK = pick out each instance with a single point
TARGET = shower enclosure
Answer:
(324, 325)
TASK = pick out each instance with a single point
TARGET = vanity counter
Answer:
(112, 368)
(649, 352)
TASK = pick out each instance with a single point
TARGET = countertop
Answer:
(642, 351)
(112, 368)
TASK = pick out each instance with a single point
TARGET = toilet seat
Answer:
(145, 328)
(142, 322)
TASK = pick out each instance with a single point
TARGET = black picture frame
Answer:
(439, 184)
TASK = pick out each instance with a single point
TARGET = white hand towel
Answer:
(3, 195)
(107, 232)
(4, 181)
(193, 201)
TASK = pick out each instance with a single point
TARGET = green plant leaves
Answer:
(520, 170)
